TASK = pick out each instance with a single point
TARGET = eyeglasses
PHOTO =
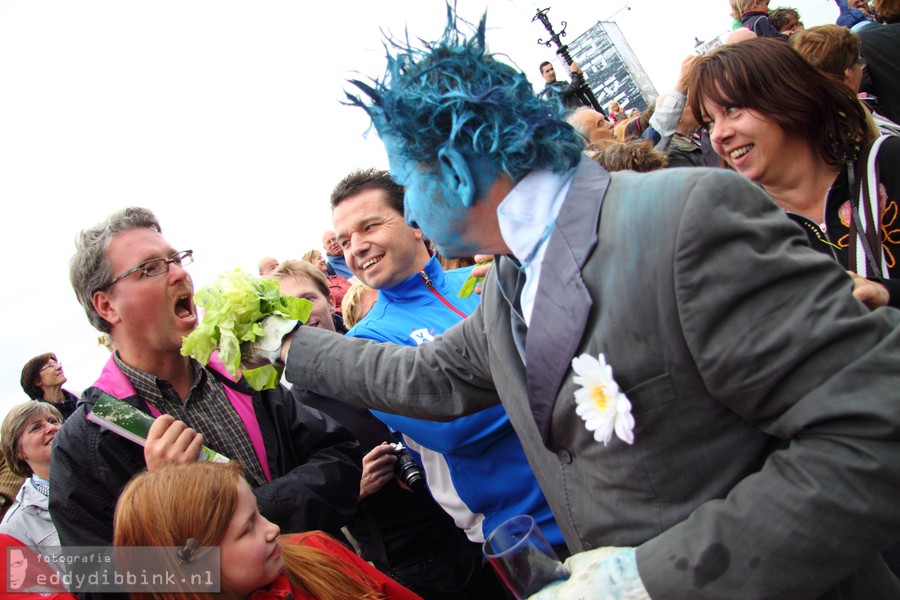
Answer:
(51, 364)
(156, 266)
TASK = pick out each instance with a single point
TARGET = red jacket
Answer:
(281, 589)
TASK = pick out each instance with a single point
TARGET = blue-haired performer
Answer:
(709, 411)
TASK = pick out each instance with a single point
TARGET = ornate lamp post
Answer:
(582, 91)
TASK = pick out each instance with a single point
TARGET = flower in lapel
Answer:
(601, 404)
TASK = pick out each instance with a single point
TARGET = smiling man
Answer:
(132, 283)
(417, 302)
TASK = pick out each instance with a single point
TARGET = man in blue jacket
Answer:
(417, 301)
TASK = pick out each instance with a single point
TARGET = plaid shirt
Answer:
(206, 410)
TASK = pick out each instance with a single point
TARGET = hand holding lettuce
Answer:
(478, 275)
(235, 306)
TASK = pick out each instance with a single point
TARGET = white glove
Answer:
(610, 573)
(267, 348)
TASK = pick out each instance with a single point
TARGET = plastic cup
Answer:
(523, 559)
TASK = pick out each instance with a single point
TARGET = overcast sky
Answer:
(225, 119)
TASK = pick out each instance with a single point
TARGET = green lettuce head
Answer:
(234, 307)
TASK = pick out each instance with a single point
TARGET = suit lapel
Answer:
(563, 304)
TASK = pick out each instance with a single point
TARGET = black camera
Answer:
(408, 470)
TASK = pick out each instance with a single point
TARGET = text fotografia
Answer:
(69, 559)
(101, 569)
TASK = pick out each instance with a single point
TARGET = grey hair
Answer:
(575, 123)
(90, 269)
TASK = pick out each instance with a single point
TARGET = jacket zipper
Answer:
(430, 285)
(808, 223)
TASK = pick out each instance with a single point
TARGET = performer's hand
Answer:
(170, 441)
(272, 346)
(602, 573)
(871, 293)
(377, 469)
(574, 68)
(481, 270)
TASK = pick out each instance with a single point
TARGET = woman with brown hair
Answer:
(803, 137)
(211, 505)
(43, 378)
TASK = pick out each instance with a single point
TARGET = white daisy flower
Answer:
(601, 404)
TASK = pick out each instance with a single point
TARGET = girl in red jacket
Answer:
(189, 507)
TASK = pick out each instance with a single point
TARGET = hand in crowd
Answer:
(171, 442)
(871, 293)
(686, 66)
(482, 270)
(378, 469)
(574, 68)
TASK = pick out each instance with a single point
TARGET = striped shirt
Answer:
(206, 410)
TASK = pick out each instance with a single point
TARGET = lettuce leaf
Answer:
(468, 286)
(234, 305)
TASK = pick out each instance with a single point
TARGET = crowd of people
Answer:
(686, 376)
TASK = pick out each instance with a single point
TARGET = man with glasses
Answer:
(303, 466)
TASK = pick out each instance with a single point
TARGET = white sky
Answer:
(224, 118)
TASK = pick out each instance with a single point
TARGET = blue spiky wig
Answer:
(453, 94)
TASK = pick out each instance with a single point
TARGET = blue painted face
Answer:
(432, 206)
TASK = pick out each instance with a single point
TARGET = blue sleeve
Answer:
(652, 135)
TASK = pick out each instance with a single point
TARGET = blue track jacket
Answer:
(475, 466)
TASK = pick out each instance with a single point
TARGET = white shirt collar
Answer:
(530, 207)
(525, 216)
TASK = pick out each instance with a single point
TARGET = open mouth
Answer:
(184, 308)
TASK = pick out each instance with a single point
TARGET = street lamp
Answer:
(584, 93)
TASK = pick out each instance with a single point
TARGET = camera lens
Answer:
(409, 471)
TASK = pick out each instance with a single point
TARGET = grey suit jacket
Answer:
(766, 460)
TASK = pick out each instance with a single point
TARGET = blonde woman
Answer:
(25, 441)
(357, 303)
